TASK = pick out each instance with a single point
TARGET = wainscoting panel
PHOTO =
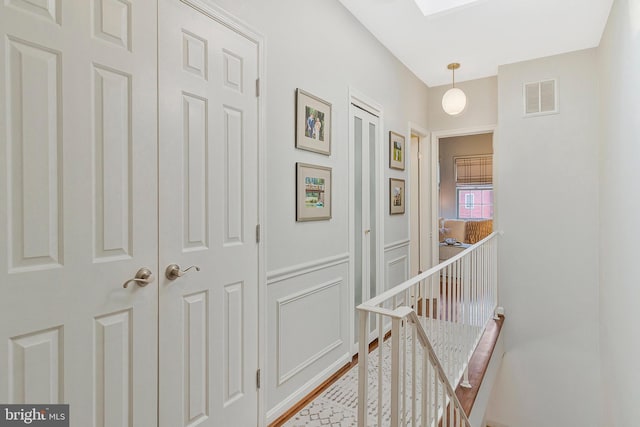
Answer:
(396, 263)
(297, 347)
(308, 329)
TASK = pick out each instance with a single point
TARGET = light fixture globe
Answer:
(454, 101)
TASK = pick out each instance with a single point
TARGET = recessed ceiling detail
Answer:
(432, 7)
(482, 34)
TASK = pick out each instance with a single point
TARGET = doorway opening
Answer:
(463, 189)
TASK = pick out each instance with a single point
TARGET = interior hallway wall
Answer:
(321, 48)
(547, 206)
(619, 66)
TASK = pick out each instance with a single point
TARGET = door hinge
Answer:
(258, 233)
(257, 87)
(258, 379)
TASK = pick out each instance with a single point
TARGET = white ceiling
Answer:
(481, 35)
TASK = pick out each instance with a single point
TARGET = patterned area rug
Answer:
(337, 406)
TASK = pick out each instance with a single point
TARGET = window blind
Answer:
(474, 170)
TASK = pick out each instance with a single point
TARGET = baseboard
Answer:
(305, 390)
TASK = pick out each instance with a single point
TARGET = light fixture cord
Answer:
(453, 70)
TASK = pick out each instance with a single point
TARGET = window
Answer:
(474, 187)
(475, 202)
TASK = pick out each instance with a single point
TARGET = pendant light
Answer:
(454, 100)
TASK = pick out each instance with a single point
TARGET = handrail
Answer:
(448, 307)
(396, 290)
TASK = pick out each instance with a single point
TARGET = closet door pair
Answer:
(129, 153)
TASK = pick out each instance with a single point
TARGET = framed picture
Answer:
(313, 192)
(396, 151)
(313, 123)
(396, 196)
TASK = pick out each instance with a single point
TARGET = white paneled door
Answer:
(91, 195)
(78, 208)
(208, 217)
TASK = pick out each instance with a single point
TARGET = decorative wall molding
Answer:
(328, 347)
(393, 265)
(306, 268)
(396, 245)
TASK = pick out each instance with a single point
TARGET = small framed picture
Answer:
(313, 123)
(313, 192)
(396, 151)
(396, 196)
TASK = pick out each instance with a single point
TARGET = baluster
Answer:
(395, 372)
(363, 374)
(380, 372)
(413, 374)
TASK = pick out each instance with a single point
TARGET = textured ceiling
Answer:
(481, 35)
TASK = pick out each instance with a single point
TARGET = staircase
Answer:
(435, 321)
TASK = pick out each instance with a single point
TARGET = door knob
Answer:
(142, 278)
(173, 271)
(367, 231)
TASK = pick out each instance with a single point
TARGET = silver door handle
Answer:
(173, 271)
(367, 231)
(142, 278)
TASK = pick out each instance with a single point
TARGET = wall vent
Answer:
(540, 98)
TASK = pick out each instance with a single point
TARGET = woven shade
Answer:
(474, 170)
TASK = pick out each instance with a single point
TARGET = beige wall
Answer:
(547, 206)
(481, 109)
(619, 66)
(455, 147)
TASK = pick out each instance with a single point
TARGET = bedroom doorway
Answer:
(463, 188)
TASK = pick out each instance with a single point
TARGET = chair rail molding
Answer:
(301, 269)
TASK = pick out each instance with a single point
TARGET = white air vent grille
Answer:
(540, 98)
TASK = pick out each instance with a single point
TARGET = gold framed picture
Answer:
(313, 123)
(396, 196)
(313, 192)
(396, 151)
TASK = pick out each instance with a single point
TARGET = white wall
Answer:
(547, 206)
(619, 65)
(468, 145)
(321, 48)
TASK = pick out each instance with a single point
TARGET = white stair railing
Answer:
(436, 320)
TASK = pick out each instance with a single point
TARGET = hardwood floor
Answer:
(479, 363)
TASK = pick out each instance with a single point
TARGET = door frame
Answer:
(435, 193)
(358, 99)
(215, 12)
(424, 198)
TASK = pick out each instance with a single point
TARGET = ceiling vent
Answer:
(540, 98)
